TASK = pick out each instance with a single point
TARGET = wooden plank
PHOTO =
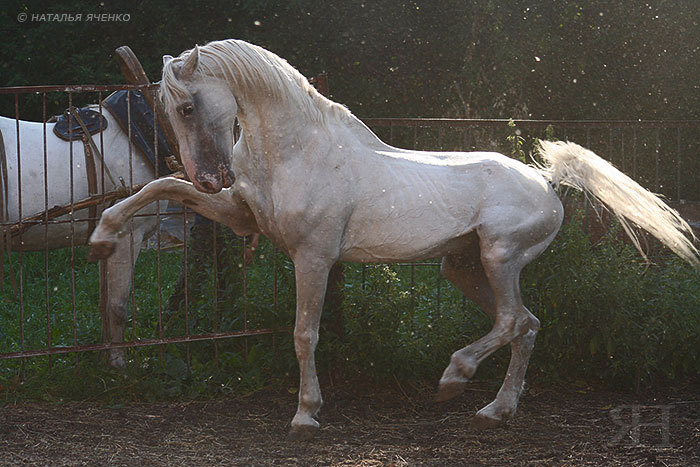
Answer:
(134, 74)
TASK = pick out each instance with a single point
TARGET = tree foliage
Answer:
(577, 59)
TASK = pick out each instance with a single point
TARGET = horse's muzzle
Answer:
(213, 183)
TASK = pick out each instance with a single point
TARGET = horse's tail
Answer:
(572, 165)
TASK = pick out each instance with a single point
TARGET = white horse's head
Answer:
(202, 111)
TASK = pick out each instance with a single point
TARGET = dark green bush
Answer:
(606, 316)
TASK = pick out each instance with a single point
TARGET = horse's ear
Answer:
(191, 63)
(166, 59)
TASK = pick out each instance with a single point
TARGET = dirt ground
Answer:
(389, 426)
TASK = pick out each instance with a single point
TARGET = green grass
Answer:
(606, 316)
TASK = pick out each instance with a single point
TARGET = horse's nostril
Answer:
(208, 187)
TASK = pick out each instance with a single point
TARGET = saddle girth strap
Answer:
(90, 169)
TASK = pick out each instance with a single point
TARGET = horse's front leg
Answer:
(223, 207)
(116, 272)
(311, 279)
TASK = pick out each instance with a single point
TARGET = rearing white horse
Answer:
(317, 182)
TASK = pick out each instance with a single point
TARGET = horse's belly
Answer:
(410, 235)
(393, 251)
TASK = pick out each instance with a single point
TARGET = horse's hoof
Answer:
(118, 362)
(303, 432)
(100, 250)
(484, 421)
(449, 390)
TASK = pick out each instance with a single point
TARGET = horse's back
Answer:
(414, 204)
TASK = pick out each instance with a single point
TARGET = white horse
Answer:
(33, 200)
(317, 182)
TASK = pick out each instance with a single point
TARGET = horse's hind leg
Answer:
(494, 287)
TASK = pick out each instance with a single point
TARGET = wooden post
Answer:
(134, 74)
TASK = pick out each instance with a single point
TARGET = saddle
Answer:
(118, 104)
(136, 119)
(70, 129)
(130, 108)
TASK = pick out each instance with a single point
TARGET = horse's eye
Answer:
(187, 110)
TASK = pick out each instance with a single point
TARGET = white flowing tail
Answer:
(570, 164)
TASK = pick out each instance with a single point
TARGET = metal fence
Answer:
(38, 318)
(42, 321)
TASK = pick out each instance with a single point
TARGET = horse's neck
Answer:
(270, 128)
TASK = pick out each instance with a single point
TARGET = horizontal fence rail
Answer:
(203, 289)
(77, 88)
(524, 123)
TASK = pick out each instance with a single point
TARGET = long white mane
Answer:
(249, 69)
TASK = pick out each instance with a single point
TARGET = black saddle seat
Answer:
(69, 129)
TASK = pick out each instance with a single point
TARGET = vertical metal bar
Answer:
(622, 149)
(586, 220)
(215, 262)
(274, 278)
(413, 289)
(588, 136)
(132, 263)
(678, 164)
(161, 348)
(274, 293)
(186, 285)
(102, 265)
(656, 161)
(439, 282)
(245, 297)
(46, 234)
(19, 243)
(102, 148)
(72, 227)
(634, 153)
(131, 152)
(415, 137)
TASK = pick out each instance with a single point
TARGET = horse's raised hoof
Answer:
(303, 432)
(100, 250)
(449, 390)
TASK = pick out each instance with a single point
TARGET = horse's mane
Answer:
(250, 68)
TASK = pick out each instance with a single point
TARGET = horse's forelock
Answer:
(172, 90)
